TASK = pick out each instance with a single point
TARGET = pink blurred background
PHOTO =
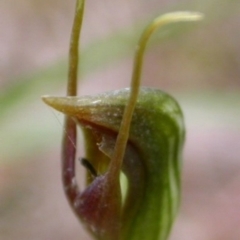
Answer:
(201, 68)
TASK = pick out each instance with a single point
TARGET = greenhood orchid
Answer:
(138, 132)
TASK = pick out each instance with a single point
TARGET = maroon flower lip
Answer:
(100, 207)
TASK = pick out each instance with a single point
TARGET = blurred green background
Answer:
(197, 63)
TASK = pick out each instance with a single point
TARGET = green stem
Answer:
(70, 131)
(123, 134)
(73, 52)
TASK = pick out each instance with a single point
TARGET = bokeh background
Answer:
(197, 63)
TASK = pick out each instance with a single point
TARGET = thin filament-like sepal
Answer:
(115, 166)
